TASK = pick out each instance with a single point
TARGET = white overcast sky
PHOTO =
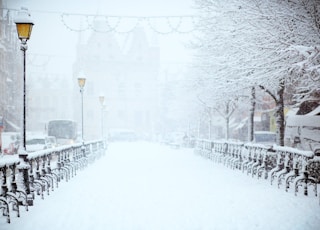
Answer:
(51, 37)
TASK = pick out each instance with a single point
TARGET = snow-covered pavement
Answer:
(147, 186)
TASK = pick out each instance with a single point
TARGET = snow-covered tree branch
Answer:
(271, 44)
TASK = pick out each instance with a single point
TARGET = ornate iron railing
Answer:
(24, 176)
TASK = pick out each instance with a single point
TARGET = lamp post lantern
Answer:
(24, 27)
(101, 99)
(81, 82)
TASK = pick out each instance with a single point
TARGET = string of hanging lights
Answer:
(126, 24)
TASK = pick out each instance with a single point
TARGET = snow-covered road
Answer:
(147, 186)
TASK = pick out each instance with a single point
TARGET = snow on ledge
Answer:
(9, 160)
(293, 150)
(258, 145)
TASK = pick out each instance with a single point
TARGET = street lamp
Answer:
(24, 28)
(81, 82)
(101, 99)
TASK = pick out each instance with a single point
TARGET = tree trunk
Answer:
(251, 114)
(227, 121)
(279, 113)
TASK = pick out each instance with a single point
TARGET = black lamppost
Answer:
(24, 27)
(101, 99)
(81, 82)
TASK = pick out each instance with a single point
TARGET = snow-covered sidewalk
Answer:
(150, 186)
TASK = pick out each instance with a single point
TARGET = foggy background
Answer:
(60, 40)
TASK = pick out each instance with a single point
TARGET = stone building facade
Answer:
(127, 75)
(11, 75)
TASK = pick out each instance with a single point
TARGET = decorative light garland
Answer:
(121, 20)
(63, 15)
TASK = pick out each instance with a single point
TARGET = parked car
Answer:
(303, 130)
(265, 137)
(36, 143)
(9, 143)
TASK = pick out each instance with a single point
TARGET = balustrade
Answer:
(284, 164)
(25, 176)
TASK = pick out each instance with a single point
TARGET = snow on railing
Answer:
(285, 165)
(22, 176)
(6, 161)
(309, 154)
